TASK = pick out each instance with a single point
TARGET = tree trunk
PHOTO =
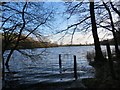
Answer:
(7, 60)
(99, 55)
(112, 71)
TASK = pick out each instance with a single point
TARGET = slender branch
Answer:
(76, 24)
(104, 27)
(115, 9)
(23, 18)
(37, 27)
(73, 34)
(63, 36)
(74, 8)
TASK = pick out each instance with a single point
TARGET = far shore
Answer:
(50, 46)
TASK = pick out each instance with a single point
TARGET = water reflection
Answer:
(46, 67)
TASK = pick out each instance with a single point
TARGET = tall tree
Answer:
(84, 16)
(98, 52)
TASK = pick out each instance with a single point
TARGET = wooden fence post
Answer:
(75, 68)
(60, 64)
(110, 61)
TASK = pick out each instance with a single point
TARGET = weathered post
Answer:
(75, 68)
(60, 64)
(110, 61)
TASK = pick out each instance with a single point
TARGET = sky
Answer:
(48, 0)
(61, 23)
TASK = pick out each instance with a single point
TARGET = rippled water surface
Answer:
(43, 64)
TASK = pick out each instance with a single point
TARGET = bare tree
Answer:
(96, 22)
(22, 19)
(99, 55)
(113, 29)
(84, 14)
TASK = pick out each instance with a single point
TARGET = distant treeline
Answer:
(29, 43)
(76, 45)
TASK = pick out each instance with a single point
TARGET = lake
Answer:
(43, 64)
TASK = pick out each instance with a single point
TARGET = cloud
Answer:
(78, 38)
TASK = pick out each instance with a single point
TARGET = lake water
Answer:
(44, 67)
